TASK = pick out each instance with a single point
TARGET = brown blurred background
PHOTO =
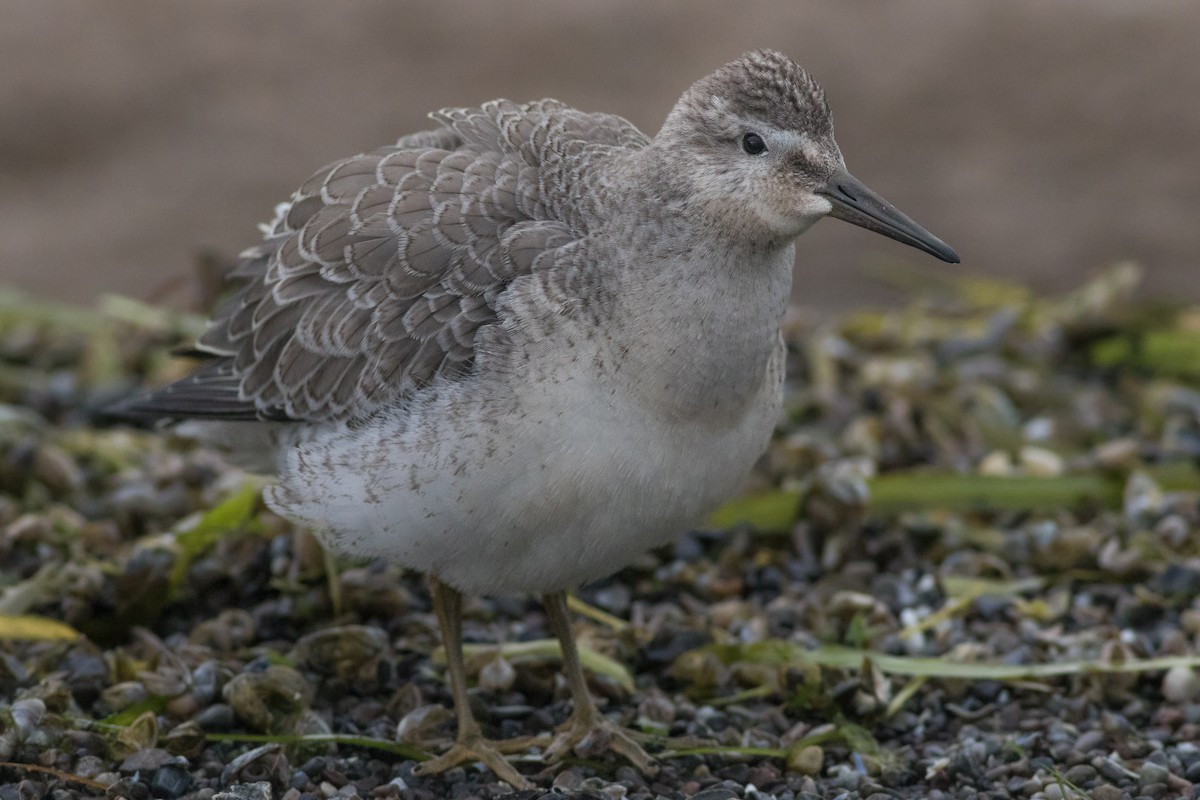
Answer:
(1042, 139)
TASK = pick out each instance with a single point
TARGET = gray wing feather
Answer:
(380, 272)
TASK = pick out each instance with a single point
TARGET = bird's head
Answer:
(756, 140)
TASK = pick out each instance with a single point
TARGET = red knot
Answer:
(517, 350)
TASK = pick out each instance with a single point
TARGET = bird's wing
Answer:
(379, 273)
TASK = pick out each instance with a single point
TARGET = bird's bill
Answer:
(853, 202)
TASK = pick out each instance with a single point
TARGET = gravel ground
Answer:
(977, 491)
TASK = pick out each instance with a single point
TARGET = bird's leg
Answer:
(585, 721)
(470, 744)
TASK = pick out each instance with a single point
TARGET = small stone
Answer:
(182, 706)
(130, 789)
(146, 760)
(1105, 791)
(996, 464)
(656, 707)
(397, 783)
(419, 724)
(715, 793)
(260, 790)
(1117, 454)
(806, 760)
(217, 717)
(1113, 770)
(1055, 791)
(1181, 685)
(90, 766)
(1150, 773)
(1080, 774)
(1143, 498)
(616, 597)
(28, 790)
(53, 467)
(1092, 740)
(314, 766)
(266, 765)
(27, 714)
(1177, 580)
(569, 780)
(87, 673)
(1180, 785)
(628, 775)
(170, 781)
(1041, 462)
(497, 675)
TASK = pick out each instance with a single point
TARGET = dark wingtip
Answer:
(139, 407)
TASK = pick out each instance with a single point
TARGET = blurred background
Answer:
(1041, 139)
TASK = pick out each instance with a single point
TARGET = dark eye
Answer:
(753, 144)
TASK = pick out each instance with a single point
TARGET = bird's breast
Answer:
(700, 349)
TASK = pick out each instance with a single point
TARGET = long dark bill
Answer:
(853, 202)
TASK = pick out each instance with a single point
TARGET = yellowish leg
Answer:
(585, 720)
(469, 745)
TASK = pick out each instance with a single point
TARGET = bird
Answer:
(517, 350)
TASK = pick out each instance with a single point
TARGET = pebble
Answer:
(1112, 770)
(27, 715)
(218, 717)
(715, 793)
(130, 789)
(1181, 684)
(266, 764)
(1177, 580)
(1056, 791)
(497, 675)
(807, 760)
(1080, 774)
(568, 779)
(146, 760)
(171, 780)
(1151, 773)
(259, 790)
(1089, 741)
(1041, 462)
(630, 777)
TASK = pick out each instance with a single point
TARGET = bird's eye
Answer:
(753, 144)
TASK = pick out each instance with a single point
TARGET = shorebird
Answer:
(517, 350)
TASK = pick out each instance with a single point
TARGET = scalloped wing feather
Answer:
(383, 268)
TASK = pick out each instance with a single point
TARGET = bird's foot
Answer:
(590, 734)
(484, 751)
